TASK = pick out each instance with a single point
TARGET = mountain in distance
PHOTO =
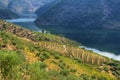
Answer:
(23, 6)
(33, 56)
(7, 14)
(95, 23)
(46, 1)
(4, 3)
(46, 8)
(83, 13)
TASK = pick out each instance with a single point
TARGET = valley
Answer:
(59, 40)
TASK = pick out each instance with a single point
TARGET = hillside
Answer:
(28, 55)
(94, 23)
(7, 14)
(46, 8)
(82, 14)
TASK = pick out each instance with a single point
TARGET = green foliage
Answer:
(43, 55)
(43, 65)
(34, 59)
(106, 69)
(64, 72)
(62, 65)
(46, 55)
(73, 70)
(9, 60)
(85, 77)
(57, 56)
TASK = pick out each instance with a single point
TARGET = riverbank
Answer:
(103, 53)
(29, 24)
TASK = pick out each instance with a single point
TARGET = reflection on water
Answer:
(22, 20)
(26, 23)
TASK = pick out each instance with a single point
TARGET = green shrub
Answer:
(73, 70)
(8, 63)
(64, 72)
(36, 71)
(43, 65)
(62, 65)
(84, 76)
(46, 55)
(106, 69)
(57, 56)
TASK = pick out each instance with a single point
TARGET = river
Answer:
(26, 23)
(29, 24)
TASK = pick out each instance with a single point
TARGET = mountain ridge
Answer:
(23, 6)
(84, 14)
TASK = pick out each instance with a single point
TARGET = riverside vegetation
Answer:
(29, 55)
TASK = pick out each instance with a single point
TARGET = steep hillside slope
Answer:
(44, 56)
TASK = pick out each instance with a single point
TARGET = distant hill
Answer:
(27, 55)
(23, 6)
(4, 3)
(46, 8)
(83, 14)
(7, 14)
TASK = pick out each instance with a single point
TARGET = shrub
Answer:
(73, 70)
(57, 56)
(64, 72)
(62, 65)
(84, 76)
(46, 55)
(8, 63)
(106, 69)
(36, 71)
(43, 65)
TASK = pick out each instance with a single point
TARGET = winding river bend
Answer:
(26, 23)
(29, 24)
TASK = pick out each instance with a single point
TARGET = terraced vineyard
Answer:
(28, 55)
